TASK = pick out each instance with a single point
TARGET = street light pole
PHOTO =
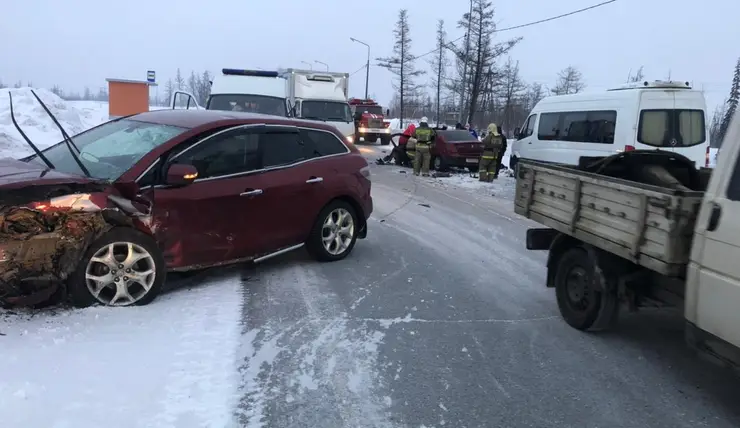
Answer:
(308, 63)
(367, 72)
(322, 63)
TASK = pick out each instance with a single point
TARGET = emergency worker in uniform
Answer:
(501, 152)
(399, 152)
(424, 136)
(491, 148)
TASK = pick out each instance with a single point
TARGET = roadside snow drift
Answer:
(169, 364)
(37, 124)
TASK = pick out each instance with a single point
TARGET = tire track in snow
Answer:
(306, 363)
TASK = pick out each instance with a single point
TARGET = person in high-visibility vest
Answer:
(491, 148)
(424, 136)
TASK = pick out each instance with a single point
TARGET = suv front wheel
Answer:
(124, 267)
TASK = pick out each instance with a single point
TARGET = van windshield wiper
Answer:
(67, 139)
(25, 137)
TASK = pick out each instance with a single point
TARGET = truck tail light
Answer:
(629, 148)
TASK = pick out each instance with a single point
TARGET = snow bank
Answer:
(171, 363)
(36, 123)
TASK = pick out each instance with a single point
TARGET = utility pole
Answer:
(465, 65)
(367, 71)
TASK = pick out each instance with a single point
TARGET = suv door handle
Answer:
(251, 192)
(314, 180)
(714, 217)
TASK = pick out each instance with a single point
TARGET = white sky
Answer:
(78, 43)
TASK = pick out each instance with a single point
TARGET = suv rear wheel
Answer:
(123, 267)
(334, 233)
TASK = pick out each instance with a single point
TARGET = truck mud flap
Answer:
(540, 238)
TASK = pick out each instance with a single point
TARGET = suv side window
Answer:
(231, 152)
(281, 148)
(322, 143)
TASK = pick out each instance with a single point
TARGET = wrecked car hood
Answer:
(15, 174)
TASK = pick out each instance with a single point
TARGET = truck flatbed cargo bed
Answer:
(646, 224)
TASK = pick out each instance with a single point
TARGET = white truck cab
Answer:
(320, 96)
(659, 115)
(255, 91)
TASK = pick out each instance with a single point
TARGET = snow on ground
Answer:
(74, 116)
(36, 123)
(172, 363)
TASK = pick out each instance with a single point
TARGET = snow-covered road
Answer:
(440, 318)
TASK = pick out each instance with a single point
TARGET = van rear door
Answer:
(673, 120)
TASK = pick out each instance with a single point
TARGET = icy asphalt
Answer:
(440, 318)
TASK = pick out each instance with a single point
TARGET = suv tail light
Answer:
(629, 148)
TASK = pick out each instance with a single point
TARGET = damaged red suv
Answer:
(107, 213)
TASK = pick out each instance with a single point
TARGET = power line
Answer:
(552, 18)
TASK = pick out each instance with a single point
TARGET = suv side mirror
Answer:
(181, 174)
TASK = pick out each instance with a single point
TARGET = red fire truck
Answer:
(369, 121)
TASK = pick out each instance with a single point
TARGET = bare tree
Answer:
(169, 90)
(179, 81)
(204, 87)
(193, 83)
(715, 136)
(535, 93)
(401, 63)
(439, 65)
(481, 59)
(639, 76)
(570, 81)
(511, 89)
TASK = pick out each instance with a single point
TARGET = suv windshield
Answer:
(370, 109)
(249, 103)
(326, 110)
(110, 149)
(671, 128)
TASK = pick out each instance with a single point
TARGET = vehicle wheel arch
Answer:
(359, 212)
(559, 246)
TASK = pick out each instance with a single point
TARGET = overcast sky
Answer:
(78, 43)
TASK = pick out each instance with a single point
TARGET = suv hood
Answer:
(16, 174)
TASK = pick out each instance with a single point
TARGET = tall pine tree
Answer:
(731, 103)
(401, 63)
(439, 64)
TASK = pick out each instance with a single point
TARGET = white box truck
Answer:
(320, 96)
(252, 91)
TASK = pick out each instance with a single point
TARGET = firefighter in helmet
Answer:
(424, 136)
(491, 148)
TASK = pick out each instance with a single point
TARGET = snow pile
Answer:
(169, 364)
(36, 123)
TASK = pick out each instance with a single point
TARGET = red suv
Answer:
(111, 210)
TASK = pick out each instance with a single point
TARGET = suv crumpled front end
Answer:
(47, 224)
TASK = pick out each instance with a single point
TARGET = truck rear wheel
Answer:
(585, 300)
